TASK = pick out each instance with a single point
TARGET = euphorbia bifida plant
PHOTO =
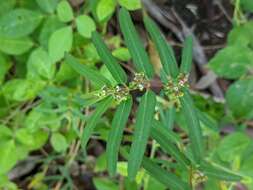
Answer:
(176, 95)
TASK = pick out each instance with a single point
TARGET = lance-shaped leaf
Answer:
(168, 117)
(193, 125)
(207, 121)
(134, 44)
(186, 61)
(219, 173)
(115, 135)
(168, 179)
(144, 118)
(164, 139)
(165, 51)
(111, 63)
(92, 121)
(174, 137)
(91, 74)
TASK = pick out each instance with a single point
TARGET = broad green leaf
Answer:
(59, 43)
(85, 26)
(232, 62)
(64, 11)
(24, 136)
(40, 138)
(37, 120)
(47, 5)
(130, 4)
(59, 142)
(21, 89)
(241, 34)
(114, 139)
(93, 120)
(186, 61)
(19, 23)
(39, 65)
(247, 5)
(105, 184)
(65, 73)
(6, 6)
(165, 140)
(219, 173)
(15, 46)
(193, 126)
(144, 118)
(4, 67)
(8, 156)
(165, 51)
(239, 98)
(122, 54)
(50, 25)
(168, 179)
(105, 9)
(134, 44)
(86, 71)
(111, 63)
(5, 132)
(233, 146)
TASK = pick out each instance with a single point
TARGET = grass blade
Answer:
(168, 179)
(165, 51)
(163, 138)
(111, 63)
(118, 123)
(145, 114)
(134, 44)
(219, 173)
(92, 121)
(84, 70)
(193, 126)
(186, 61)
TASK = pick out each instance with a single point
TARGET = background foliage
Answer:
(80, 108)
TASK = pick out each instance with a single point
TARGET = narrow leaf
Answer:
(165, 51)
(145, 114)
(92, 121)
(134, 44)
(207, 120)
(164, 139)
(186, 62)
(91, 74)
(193, 126)
(219, 173)
(111, 63)
(171, 114)
(174, 137)
(115, 135)
(168, 179)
